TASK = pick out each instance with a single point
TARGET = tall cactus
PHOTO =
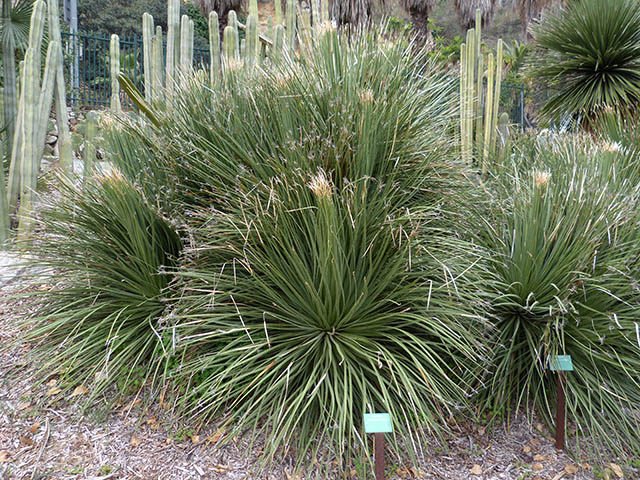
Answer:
(157, 66)
(89, 147)
(252, 40)
(290, 41)
(232, 21)
(65, 146)
(214, 46)
(147, 45)
(28, 175)
(479, 105)
(173, 45)
(114, 65)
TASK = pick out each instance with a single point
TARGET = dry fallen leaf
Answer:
(53, 391)
(481, 430)
(79, 390)
(535, 442)
(26, 441)
(220, 468)
(617, 470)
(4, 456)
(536, 467)
(216, 436)
(476, 470)
(539, 458)
(195, 438)
(526, 449)
(539, 427)
(34, 428)
(135, 441)
(571, 469)
(24, 405)
(52, 383)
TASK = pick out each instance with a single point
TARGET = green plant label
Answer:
(561, 363)
(377, 423)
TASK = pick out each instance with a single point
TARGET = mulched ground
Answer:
(45, 439)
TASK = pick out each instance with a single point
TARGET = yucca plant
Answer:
(316, 285)
(101, 259)
(590, 58)
(564, 243)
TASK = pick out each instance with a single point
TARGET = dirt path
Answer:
(53, 442)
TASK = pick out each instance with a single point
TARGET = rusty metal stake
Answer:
(560, 420)
(379, 456)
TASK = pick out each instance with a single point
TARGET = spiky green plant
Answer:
(101, 256)
(590, 58)
(564, 243)
(318, 286)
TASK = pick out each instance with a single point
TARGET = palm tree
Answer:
(419, 11)
(531, 9)
(466, 10)
(351, 12)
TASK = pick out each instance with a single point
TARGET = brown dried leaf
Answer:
(135, 440)
(195, 438)
(539, 458)
(52, 383)
(526, 449)
(53, 391)
(24, 405)
(34, 428)
(617, 470)
(476, 470)
(26, 441)
(216, 436)
(79, 390)
(536, 467)
(571, 469)
(4, 456)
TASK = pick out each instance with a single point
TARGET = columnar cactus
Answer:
(229, 37)
(291, 26)
(157, 66)
(186, 45)
(89, 147)
(232, 20)
(214, 46)
(147, 44)
(479, 107)
(252, 39)
(173, 45)
(114, 65)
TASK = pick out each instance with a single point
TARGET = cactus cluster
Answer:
(293, 31)
(37, 93)
(479, 102)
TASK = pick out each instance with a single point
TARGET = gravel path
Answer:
(41, 438)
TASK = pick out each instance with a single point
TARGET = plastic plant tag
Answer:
(377, 423)
(561, 363)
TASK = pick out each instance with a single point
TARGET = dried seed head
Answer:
(320, 185)
(611, 146)
(366, 96)
(541, 179)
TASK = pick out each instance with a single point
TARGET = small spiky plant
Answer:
(100, 259)
(563, 279)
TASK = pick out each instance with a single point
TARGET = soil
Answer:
(45, 438)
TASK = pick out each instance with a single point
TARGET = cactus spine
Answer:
(479, 107)
(214, 46)
(147, 44)
(114, 64)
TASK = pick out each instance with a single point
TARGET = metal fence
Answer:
(89, 83)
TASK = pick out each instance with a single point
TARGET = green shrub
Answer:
(563, 239)
(100, 256)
